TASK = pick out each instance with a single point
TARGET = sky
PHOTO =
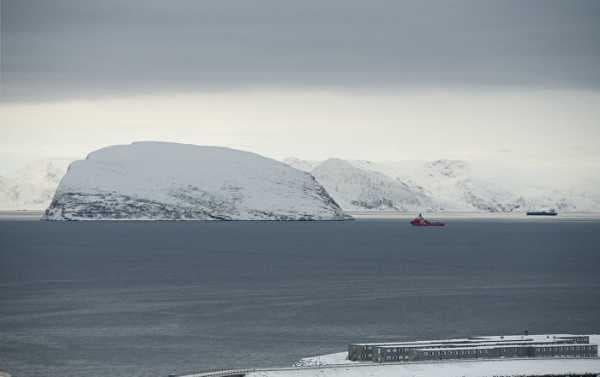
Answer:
(514, 81)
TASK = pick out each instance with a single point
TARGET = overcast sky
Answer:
(517, 80)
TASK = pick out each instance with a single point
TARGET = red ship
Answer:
(421, 221)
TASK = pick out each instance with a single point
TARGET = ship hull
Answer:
(423, 222)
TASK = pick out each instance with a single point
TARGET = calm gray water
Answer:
(149, 298)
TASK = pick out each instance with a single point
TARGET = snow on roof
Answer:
(505, 346)
(477, 339)
(486, 344)
(471, 345)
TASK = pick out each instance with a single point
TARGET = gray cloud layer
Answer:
(73, 48)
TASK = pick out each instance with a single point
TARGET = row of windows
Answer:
(485, 351)
(392, 358)
(461, 352)
(566, 348)
(504, 351)
(390, 350)
(403, 350)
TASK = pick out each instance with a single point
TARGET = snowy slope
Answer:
(168, 181)
(451, 185)
(357, 188)
(32, 186)
(468, 186)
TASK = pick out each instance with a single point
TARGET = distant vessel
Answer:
(551, 212)
(421, 221)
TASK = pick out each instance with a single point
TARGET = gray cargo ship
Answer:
(551, 212)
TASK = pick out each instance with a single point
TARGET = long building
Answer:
(475, 348)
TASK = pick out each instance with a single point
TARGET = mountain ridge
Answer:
(452, 185)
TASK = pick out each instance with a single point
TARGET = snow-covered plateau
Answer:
(453, 185)
(169, 181)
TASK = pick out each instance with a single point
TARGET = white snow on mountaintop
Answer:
(32, 186)
(169, 181)
(357, 188)
(452, 185)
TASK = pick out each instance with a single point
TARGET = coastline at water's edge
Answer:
(510, 216)
(34, 215)
(20, 215)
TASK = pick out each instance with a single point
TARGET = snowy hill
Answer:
(454, 184)
(32, 186)
(168, 181)
(469, 186)
(447, 185)
(363, 189)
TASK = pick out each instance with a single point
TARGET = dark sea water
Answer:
(149, 298)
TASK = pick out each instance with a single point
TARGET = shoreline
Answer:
(34, 215)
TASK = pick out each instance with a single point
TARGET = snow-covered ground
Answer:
(328, 359)
(338, 365)
(169, 181)
(342, 357)
(483, 368)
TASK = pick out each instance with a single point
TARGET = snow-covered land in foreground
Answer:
(327, 359)
(453, 185)
(338, 365)
(169, 181)
(342, 357)
(487, 368)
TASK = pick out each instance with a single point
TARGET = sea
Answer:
(90, 299)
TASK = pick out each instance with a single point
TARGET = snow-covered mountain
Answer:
(357, 188)
(32, 186)
(169, 181)
(450, 185)
(375, 186)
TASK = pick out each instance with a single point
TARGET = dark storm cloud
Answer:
(57, 49)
